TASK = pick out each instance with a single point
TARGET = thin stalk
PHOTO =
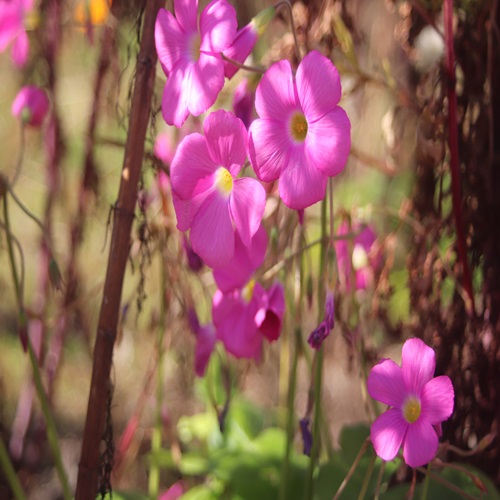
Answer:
(294, 32)
(19, 164)
(253, 69)
(447, 484)
(156, 441)
(367, 478)
(290, 416)
(318, 364)
(49, 421)
(425, 487)
(44, 403)
(379, 480)
(10, 473)
(354, 465)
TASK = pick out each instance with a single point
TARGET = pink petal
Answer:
(437, 400)
(318, 85)
(186, 12)
(240, 49)
(418, 364)
(227, 139)
(191, 164)
(204, 81)
(235, 325)
(174, 104)
(163, 148)
(246, 260)
(218, 26)
(247, 202)
(185, 210)
(11, 23)
(387, 433)
(268, 148)
(275, 95)
(328, 142)
(21, 49)
(301, 183)
(385, 383)
(212, 233)
(421, 443)
(170, 39)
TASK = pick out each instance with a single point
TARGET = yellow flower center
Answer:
(412, 410)
(298, 126)
(195, 45)
(223, 181)
(247, 292)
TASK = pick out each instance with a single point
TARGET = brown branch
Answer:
(120, 243)
(454, 157)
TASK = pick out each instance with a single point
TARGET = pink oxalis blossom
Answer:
(189, 53)
(358, 257)
(302, 136)
(207, 196)
(244, 317)
(31, 105)
(12, 30)
(419, 404)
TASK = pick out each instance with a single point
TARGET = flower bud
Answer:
(31, 105)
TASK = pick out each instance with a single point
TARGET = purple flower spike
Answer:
(419, 404)
(302, 136)
(306, 435)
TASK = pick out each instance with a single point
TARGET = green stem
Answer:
(44, 403)
(10, 473)
(294, 32)
(446, 483)
(379, 481)
(318, 363)
(19, 164)
(425, 487)
(49, 421)
(156, 441)
(352, 469)
(290, 416)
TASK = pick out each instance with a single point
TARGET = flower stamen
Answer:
(298, 127)
(223, 181)
(412, 410)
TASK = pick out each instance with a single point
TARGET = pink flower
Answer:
(163, 148)
(31, 105)
(302, 136)
(243, 318)
(174, 492)
(243, 102)
(12, 14)
(245, 40)
(246, 260)
(318, 335)
(207, 196)
(190, 56)
(359, 253)
(419, 403)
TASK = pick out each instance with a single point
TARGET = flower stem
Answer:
(253, 69)
(290, 415)
(379, 481)
(425, 487)
(367, 478)
(44, 403)
(10, 473)
(454, 157)
(294, 32)
(354, 465)
(19, 164)
(446, 483)
(156, 441)
(318, 363)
